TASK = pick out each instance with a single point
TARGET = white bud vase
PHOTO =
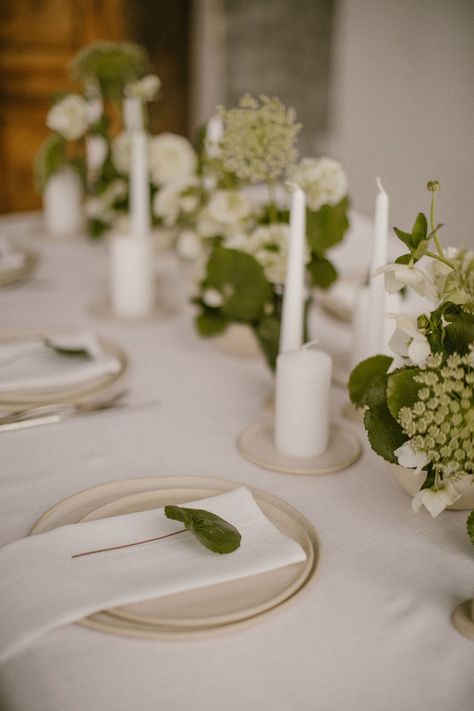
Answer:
(62, 204)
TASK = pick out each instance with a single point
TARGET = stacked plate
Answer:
(202, 611)
(17, 267)
(75, 386)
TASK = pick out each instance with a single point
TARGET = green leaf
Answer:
(268, 336)
(62, 350)
(322, 272)
(384, 433)
(210, 323)
(405, 237)
(421, 250)
(402, 390)
(470, 526)
(363, 375)
(419, 230)
(403, 259)
(459, 332)
(50, 159)
(430, 478)
(242, 281)
(326, 227)
(211, 530)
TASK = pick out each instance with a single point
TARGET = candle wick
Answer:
(379, 184)
(128, 545)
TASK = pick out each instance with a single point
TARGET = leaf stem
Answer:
(442, 258)
(128, 545)
(433, 225)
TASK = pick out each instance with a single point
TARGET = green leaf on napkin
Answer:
(210, 530)
(67, 351)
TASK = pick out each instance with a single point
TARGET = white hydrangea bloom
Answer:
(323, 180)
(213, 298)
(69, 117)
(146, 88)
(407, 341)
(188, 245)
(269, 245)
(172, 158)
(436, 499)
(228, 207)
(167, 201)
(408, 457)
(121, 150)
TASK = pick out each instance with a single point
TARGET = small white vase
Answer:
(411, 482)
(62, 204)
(238, 339)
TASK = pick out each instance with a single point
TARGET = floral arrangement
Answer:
(419, 406)
(220, 215)
(88, 133)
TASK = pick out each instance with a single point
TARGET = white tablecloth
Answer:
(372, 633)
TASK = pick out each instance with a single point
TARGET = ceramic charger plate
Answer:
(80, 392)
(8, 277)
(202, 611)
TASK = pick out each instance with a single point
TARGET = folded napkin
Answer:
(42, 587)
(30, 364)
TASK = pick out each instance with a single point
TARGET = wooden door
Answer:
(37, 40)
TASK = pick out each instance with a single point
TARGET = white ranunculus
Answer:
(228, 207)
(121, 152)
(323, 180)
(188, 245)
(436, 499)
(407, 341)
(213, 298)
(69, 117)
(398, 276)
(146, 88)
(411, 459)
(172, 158)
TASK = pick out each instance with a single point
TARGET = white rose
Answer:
(188, 245)
(228, 207)
(323, 180)
(121, 150)
(172, 158)
(407, 341)
(69, 117)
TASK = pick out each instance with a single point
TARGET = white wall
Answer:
(402, 106)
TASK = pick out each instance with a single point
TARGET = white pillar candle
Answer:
(376, 306)
(62, 204)
(131, 276)
(133, 113)
(292, 319)
(303, 381)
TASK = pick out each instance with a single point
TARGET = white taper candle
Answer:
(131, 276)
(292, 319)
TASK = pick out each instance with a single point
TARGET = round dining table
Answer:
(371, 631)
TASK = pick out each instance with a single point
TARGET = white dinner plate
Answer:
(85, 390)
(193, 612)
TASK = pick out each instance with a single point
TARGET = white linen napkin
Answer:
(29, 364)
(42, 587)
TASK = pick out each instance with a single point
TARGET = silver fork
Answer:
(61, 410)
